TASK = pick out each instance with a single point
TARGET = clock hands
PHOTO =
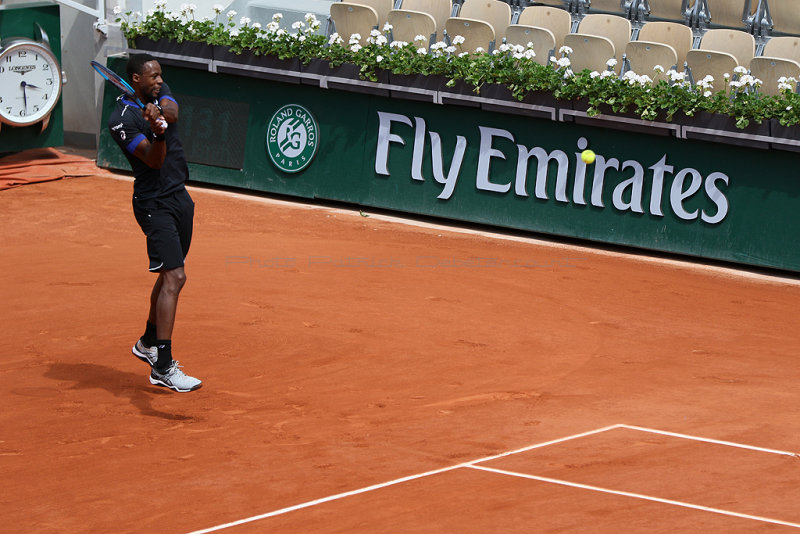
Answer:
(24, 96)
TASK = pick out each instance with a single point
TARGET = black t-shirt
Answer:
(129, 128)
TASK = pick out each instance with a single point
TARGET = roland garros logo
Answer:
(292, 138)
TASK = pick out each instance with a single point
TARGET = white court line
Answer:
(707, 440)
(635, 496)
(396, 481)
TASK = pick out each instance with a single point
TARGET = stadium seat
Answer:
(407, 24)
(349, 19)
(708, 62)
(783, 47)
(609, 6)
(672, 10)
(440, 10)
(739, 44)
(554, 3)
(381, 7)
(769, 70)
(678, 36)
(730, 13)
(615, 29)
(556, 20)
(785, 16)
(643, 57)
(495, 12)
(542, 40)
(589, 51)
(476, 33)
(781, 59)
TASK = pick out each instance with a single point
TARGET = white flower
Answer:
(257, 25)
(422, 51)
(231, 14)
(611, 63)
(355, 48)
(553, 59)
(462, 54)
(379, 59)
(740, 70)
(355, 38)
(160, 4)
(783, 86)
(480, 50)
(234, 32)
(310, 17)
(450, 49)
(420, 39)
(297, 25)
(117, 10)
(273, 26)
(277, 17)
(530, 54)
(788, 108)
(563, 62)
(505, 47)
(335, 39)
(707, 94)
(658, 68)
(565, 50)
(594, 74)
(606, 74)
(726, 76)
(217, 9)
(397, 44)
(244, 21)
(458, 40)
(387, 27)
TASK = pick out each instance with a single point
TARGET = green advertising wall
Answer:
(657, 192)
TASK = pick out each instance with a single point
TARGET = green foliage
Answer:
(512, 66)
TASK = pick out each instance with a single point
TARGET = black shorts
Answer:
(167, 223)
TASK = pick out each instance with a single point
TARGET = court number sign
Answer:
(292, 138)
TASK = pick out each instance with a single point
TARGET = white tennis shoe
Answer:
(174, 378)
(148, 355)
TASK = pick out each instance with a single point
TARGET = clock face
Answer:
(30, 82)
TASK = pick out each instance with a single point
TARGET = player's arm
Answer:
(152, 152)
(169, 106)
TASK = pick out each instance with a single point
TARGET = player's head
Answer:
(144, 73)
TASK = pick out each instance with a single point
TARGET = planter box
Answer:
(785, 137)
(534, 104)
(628, 121)
(420, 87)
(722, 129)
(256, 66)
(189, 54)
(344, 77)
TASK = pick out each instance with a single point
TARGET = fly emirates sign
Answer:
(667, 185)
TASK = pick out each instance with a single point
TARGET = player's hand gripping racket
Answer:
(117, 81)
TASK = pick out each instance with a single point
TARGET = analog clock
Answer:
(30, 82)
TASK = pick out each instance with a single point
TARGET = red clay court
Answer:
(364, 374)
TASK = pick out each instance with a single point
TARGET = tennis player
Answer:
(162, 207)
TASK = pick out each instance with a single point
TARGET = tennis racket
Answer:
(117, 81)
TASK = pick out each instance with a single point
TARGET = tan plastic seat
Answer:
(349, 19)
(781, 59)
(739, 44)
(381, 7)
(589, 52)
(556, 20)
(678, 36)
(668, 9)
(476, 33)
(786, 47)
(769, 70)
(495, 12)
(542, 40)
(708, 62)
(554, 3)
(785, 16)
(407, 24)
(614, 28)
(439, 9)
(607, 6)
(643, 57)
(729, 12)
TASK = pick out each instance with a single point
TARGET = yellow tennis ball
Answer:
(587, 156)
